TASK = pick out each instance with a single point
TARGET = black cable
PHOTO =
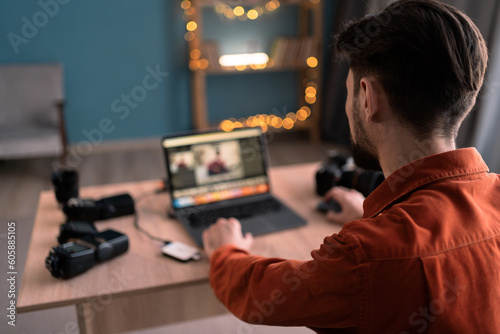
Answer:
(136, 216)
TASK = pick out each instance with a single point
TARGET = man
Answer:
(425, 255)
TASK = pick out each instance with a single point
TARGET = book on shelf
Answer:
(292, 52)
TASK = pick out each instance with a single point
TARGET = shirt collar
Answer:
(421, 172)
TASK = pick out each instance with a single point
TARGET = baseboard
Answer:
(120, 145)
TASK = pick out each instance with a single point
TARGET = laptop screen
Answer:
(211, 167)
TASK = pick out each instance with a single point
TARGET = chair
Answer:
(31, 111)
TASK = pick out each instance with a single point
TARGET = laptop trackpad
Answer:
(271, 222)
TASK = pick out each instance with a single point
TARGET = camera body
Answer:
(339, 170)
(105, 208)
(72, 258)
(80, 244)
(77, 209)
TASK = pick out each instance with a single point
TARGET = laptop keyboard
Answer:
(203, 219)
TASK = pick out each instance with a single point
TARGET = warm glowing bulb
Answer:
(189, 36)
(292, 116)
(202, 64)
(277, 122)
(240, 67)
(310, 91)
(185, 4)
(301, 115)
(312, 84)
(227, 126)
(191, 26)
(310, 99)
(307, 110)
(195, 53)
(288, 123)
(312, 62)
(193, 65)
(238, 11)
(229, 13)
(252, 14)
(271, 6)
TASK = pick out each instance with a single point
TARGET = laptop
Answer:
(224, 174)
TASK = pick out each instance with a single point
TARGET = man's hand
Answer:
(350, 201)
(224, 232)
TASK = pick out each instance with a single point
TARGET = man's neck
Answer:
(405, 148)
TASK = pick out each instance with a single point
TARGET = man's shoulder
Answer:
(385, 236)
(426, 222)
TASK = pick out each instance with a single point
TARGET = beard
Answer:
(363, 151)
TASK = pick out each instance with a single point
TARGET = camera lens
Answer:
(65, 185)
(51, 265)
(368, 181)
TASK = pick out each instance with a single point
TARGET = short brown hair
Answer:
(429, 57)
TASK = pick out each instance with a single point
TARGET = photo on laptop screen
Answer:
(211, 167)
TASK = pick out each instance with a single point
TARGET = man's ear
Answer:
(369, 99)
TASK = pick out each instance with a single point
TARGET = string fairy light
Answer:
(264, 121)
(240, 13)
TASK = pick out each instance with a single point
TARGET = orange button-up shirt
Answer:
(425, 257)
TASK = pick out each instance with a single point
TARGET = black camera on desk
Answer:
(81, 245)
(339, 170)
(77, 209)
(72, 258)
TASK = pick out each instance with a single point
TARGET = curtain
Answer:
(479, 128)
(486, 134)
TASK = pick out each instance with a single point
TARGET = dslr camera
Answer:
(76, 209)
(339, 170)
(80, 244)
(72, 258)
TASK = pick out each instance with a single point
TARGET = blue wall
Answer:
(106, 48)
(110, 48)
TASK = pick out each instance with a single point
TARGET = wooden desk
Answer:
(142, 287)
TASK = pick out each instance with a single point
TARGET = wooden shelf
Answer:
(310, 24)
(210, 3)
(248, 70)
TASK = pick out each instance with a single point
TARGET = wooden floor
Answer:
(22, 180)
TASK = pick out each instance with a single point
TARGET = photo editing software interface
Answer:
(211, 167)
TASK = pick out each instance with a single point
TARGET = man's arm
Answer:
(351, 204)
(225, 232)
(318, 293)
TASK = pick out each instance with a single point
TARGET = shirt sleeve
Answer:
(323, 292)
